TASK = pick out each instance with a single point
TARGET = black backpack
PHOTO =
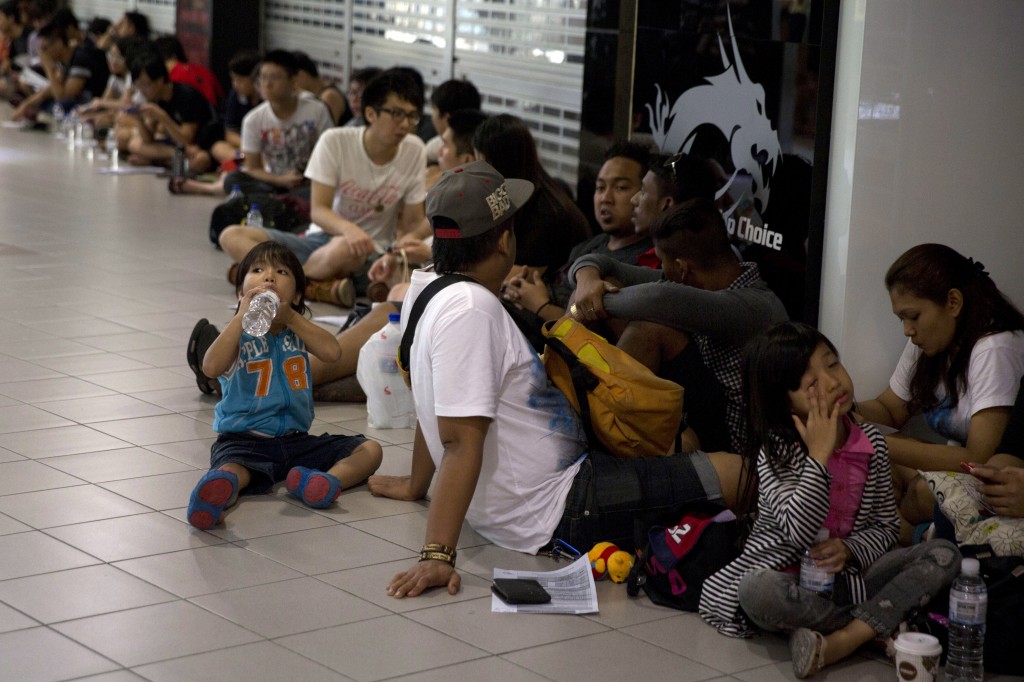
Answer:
(679, 556)
(283, 212)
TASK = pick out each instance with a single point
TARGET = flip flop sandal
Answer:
(316, 489)
(202, 337)
(216, 491)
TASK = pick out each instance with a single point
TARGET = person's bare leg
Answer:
(244, 477)
(153, 153)
(1003, 460)
(652, 344)
(350, 340)
(215, 188)
(332, 260)
(918, 503)
(223, 151)
(397, 293)
(847, 639)
(238, 240)
(358, 466)
(732, 477)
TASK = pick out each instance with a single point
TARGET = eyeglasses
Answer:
(401, 115)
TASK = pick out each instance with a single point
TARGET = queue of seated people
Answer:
(775, 428)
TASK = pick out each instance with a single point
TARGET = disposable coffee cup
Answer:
(917, 657)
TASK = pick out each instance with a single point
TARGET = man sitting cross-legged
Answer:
(172, 117)
(75, 72)
(703, 293)
(367, 189)
(279, 135)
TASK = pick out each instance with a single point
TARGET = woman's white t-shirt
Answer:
(993, 379)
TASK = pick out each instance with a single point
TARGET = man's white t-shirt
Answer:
(468, 359)
(285, 145)
(369, 195)
(993, 379)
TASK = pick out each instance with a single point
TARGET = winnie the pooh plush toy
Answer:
(607, 560)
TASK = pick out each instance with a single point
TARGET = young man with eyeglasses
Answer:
(367, 189)
(278, 137)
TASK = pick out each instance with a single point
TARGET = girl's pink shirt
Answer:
(848, 466)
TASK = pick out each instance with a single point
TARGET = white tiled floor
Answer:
(103, 434)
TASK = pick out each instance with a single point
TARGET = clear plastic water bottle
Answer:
(112, 151)
(58, 121)
(254, 218)
(812, 577)
(236, 193)
(70, 127)
(262, 311)
(968, 607)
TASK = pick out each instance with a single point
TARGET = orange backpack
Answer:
(623, 405)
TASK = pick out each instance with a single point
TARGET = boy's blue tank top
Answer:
(268, 390)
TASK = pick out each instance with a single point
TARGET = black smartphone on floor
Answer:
(520, 591)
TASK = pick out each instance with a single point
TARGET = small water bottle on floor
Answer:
(254, 218)
(262, 311)
(236, 193)
(812, 577)
(58, 121)
(968, 607)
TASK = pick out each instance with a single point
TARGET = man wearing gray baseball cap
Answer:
(508, 448)
(504, 442)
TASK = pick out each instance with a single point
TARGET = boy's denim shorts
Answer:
(270, 459)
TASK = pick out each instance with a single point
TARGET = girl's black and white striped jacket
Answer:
(793, 501)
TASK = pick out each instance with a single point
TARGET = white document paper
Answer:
(571, 588)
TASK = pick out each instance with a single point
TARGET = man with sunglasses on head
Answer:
(367, 189)
(670, 181)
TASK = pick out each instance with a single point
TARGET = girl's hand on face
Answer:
(821, 428)
(831, 555)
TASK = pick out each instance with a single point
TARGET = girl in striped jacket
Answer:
(818, 469)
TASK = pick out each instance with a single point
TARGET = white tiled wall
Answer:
(926, 147)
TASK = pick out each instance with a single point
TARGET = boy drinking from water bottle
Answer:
(267, 405)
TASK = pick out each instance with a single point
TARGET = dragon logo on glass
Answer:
(734, 104)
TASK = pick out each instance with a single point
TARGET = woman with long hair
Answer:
(961, 367)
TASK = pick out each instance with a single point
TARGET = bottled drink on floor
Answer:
(254, 218)
(236, 193)
(968, 607)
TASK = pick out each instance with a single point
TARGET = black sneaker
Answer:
(203, 336)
